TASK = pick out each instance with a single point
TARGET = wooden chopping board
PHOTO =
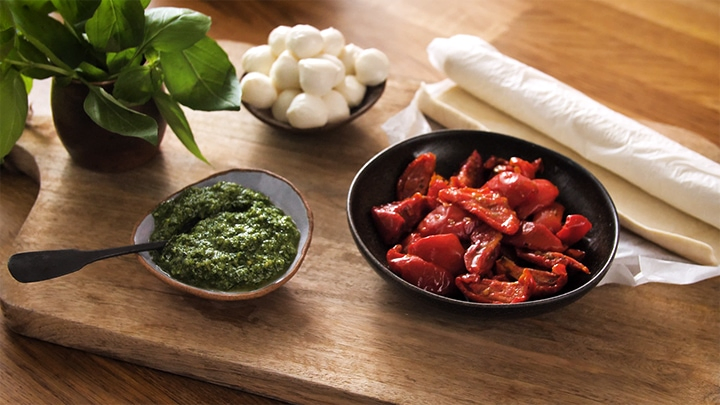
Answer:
(335, 333)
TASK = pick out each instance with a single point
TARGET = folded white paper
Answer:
(663, 168)
(638, 262)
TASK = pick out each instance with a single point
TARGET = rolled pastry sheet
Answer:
(650, 161)
(639, 212)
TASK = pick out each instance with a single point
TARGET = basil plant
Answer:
(163, 54)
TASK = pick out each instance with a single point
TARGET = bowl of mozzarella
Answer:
(305, 79)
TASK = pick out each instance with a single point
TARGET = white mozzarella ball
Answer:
(307, 111)
(257, 90)
(348, 56)
(281, 105)
(341, 72)
(337, 106)
(258, 59)
(276, 39)
(333, 40)
(304, 41)
(372, 67)
(284, 72)
(317, 76)
(352, 90)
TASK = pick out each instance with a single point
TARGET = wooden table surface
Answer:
(654, 60)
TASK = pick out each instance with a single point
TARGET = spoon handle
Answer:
(28, 267)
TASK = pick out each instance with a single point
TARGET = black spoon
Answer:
(28, 267)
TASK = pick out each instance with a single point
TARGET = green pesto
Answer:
(224, 237)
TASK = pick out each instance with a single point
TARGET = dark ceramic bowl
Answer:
(372, 95)
(282, 194)
(580, 192)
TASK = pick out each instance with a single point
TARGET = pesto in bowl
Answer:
(236, 235)
(225, 237)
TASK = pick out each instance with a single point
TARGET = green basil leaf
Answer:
(39, 6)
(7, 41)
(48, 35)
(170, 29)
(202, 77)
(31, 54)
(136, 86)
(175, 118)
(107, 112)
(117, 61)
(92, 73)
(12, 88)
(6, 20)
(116, 25)
(74, 11)
(28, 83)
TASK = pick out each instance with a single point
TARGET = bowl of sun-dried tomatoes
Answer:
(484, 222)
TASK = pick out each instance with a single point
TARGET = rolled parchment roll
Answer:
(661, 167)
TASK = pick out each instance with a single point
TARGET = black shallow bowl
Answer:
(580, 192)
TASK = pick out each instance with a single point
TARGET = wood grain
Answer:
(336, 332)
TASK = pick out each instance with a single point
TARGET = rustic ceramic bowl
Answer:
(282, 194)
(580, 192)
(372, 95)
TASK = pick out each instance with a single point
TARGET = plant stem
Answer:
(50, 68)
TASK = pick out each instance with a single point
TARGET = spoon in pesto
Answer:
(29, 267)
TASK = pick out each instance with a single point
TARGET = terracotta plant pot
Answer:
(91, 146)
